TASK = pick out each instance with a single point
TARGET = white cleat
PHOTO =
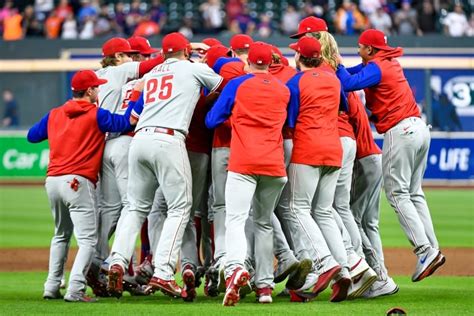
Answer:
(361, 283)
(382, 288)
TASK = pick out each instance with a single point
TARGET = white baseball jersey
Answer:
(171, 92)
(125, 95)
(116, 76)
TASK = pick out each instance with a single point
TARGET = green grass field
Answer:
(20, 294)
(25, 221)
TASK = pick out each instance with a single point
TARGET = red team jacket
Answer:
(257, 120)
(199, 138)
(359, 120)
(283, 73)
(313, 112)
(387, 93)
(228, 68)
(391, 101)
(76, 134)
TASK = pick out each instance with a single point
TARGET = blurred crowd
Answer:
(86, 19)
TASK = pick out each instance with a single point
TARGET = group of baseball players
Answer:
(248, 171)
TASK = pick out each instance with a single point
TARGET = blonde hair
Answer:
(329, 49)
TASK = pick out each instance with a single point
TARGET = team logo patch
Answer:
(266, 81)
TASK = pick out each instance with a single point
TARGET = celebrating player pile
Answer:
(292, 172)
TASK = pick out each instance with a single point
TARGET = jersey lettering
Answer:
(126, 99)
(166, 87)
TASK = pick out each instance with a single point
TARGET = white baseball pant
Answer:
(156, 219)
(365, 205)
(261, 193)
(199, 163)
(154, 159)
(342, 195)
(73, 211)
(404, 156)
(112, 191)
(318, 183)
(219, 163)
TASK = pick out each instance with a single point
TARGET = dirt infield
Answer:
(399, 261)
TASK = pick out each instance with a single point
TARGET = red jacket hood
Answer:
(388, 54)
(74, 108)
(276, 68)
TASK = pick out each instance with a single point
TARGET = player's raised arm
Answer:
(39, 131)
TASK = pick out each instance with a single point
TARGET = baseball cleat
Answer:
(239, 278)
(325, 278)
(98, 283)
(340, 289)
(428, 262)
(311, 279)
(130, 285)
(361, 283)
(48, 295)
(200, 273)
(115, 286)
(381, 288)
(144, 272)
(212, 279)
(358, 265)
(168, 287)
(264, 295)
(189, 291)
(79, 297)
(284, 269)
(298, 278)
(441, 260)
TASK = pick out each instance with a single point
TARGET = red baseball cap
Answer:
(174, 42)
(374, 38)
(117, 45)
(211, 41)
(307, 47)
(142, 45)
(84, 79)
(214, 53)
(240, 41)
(260, 53)
(309, 25)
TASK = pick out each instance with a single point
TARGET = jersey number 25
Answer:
(165, 84)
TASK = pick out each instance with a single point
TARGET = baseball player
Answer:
(365, 197)
(361, 273)
(406, 142)
(145, 51)
(315, 163)
(256, 103)
(288, 265)
(158, 157)
(72, 176)
(118, 68)
(228, 68)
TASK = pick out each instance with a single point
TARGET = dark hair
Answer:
(78, 94)
(174, 55)
(311, 62)
(276, 59)
(241, 51)
(108, 61)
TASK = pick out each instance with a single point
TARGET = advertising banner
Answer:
(21, 159)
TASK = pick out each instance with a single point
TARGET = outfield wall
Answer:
(450, 159)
